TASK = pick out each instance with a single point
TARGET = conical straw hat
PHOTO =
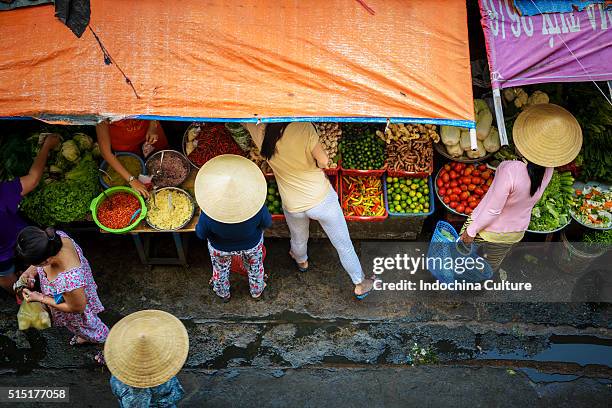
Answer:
(548, 135)
(147, 348)
(230, 188)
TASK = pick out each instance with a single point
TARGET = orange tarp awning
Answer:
(242, 59)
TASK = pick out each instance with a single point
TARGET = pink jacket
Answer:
(507, 205)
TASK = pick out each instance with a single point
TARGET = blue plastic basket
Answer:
(443, 247)
(431, 200)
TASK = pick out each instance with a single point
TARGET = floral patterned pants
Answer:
(222, 262)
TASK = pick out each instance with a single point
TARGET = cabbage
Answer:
(484, 118)
(454, 150)
(70, 151)
(83, 141)
(450, 135)
(492, 143)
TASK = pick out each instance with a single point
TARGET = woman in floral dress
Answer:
(66, 283)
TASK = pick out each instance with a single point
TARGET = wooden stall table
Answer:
(143, 233)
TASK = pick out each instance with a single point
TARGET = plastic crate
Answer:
(274, 216)
(354, 217)
(334, 180)
(362, 173)
(431, 200)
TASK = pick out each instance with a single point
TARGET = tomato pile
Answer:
(115, 212)
(461, 186)
(362, 197)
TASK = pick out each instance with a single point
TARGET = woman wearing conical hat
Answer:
(231, 191)
(545, 136)
(144, 352)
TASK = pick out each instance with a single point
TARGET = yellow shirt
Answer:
(301, 184)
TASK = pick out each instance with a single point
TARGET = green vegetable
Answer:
(70, 151)
(365, 152)
(63, 201)
(552, 210)
(273, 199)
(95, 151)
(600, 237)
(83, 141)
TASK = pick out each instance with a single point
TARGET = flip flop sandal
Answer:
(297, 265)
(99, 358)
(74, 341)
(258, 296)
(365, 294)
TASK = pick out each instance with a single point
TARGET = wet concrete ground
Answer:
(309, 343)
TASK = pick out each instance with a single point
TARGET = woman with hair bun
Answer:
(66, 283)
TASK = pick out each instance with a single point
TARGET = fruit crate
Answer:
(430, 198)
(341, 188)
(333, 179)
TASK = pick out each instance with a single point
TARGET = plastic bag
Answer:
(34, 315)
(445, 245)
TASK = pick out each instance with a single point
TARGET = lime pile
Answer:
(408, 195)
(363, 153)
(273, 200)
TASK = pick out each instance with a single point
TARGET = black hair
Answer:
(536, 175)
(274, 131)
(35, 245)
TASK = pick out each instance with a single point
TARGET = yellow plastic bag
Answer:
(33, 315)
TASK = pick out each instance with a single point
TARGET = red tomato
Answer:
(453, 174)
(439, 182)
(460, 167)
(454, 197)
(471, 187)
(442, 191)
(447, 185)
(482, 167)
(472, 198)
(464, 196)
(486, 174)
(456, 190)
(463, 187)
(460, 208)
(485, 188)
(477, 180)
(468, 210)
(479, 191)
(454, 184)
(447, 167)
(453, 204)
(446, 200)
(473, 204)
(445, 177)
(466, 180)
(475, 173)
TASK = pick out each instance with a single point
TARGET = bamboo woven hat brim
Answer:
(230, 189)
(547, 135)
(147, 348)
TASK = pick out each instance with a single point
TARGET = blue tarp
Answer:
(535, 7)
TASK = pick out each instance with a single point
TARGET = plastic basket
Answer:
(442, 247)
(95, 203)
(104, 167)
(361, 173)
(354, 217)
(396, 214)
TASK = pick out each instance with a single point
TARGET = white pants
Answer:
(329, 215)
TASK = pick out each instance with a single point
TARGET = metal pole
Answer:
(499, 115)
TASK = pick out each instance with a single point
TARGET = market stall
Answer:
(377, 104)
(555, 52)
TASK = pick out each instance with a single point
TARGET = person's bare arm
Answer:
(75, 301)
(104, 141)
(153, 132)
(31, 180)
(320, 156)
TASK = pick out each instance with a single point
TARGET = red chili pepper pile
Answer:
(115, 212)
(213, 141)
(362, 196)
